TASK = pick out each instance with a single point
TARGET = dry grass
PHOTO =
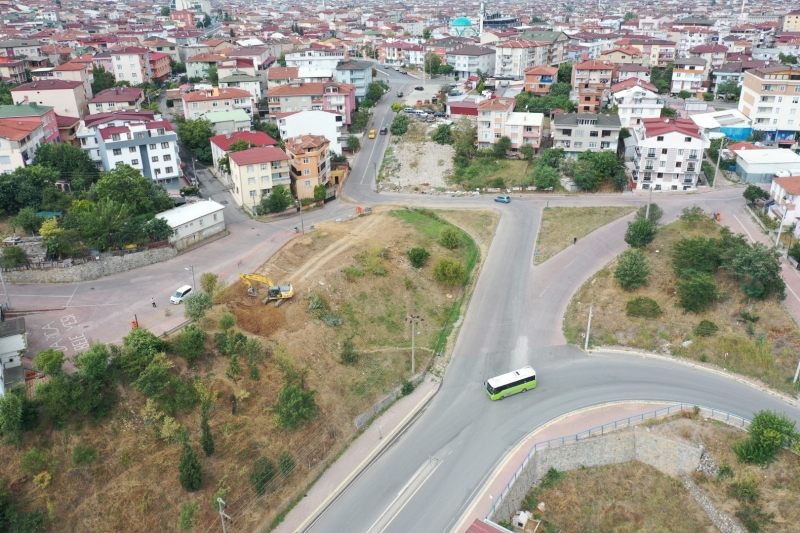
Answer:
(134, 486)
(480, 224)
(561, 224)
(625, 497)
(769, 354)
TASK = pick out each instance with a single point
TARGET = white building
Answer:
(513, 57)
(713, 124)
(325, 123)
(316, 58)
(637, 103)
(244, 82)
(13, 345)
(132, 64)
(785, 191)
(467, 60)
(194, 222)
(668, 153)
(760, 166)
(19, 140)
(688, 75)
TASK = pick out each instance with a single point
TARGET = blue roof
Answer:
(462, 21)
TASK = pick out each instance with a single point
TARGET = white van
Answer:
(180, 294)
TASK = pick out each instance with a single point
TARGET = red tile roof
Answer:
(479, 526)
(16, 130)
(48, 85)
(734, 148)
(541, 70)
(255, 156)
(70, 66)
(282, 73)
(117, 94)
(791, 184)
(633, 82)
(66, 122)
(222, 94)
(312, 88)
(301, 143)
(258, 138)
(660, 126)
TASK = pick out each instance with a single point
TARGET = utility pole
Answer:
(194, 173)
(191, 268)
(719, 158)
(588, 330)
(8, 302)
(780, 228)
(413, 319)
(649, 199)
(222, 515)
(302, 226)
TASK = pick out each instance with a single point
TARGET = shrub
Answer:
(206, 439)
(643, 307)
(349, 355)
(190, 470)
(279, 199)
(226, 321)
(295, 406)
(286, 464)
(450, 272)
(353, 272)
(700, 254)
(139, 348)
(693, 214)
(407, 388)
(753, 517)
(188, 511)
(443, 135)
(13, 256)
(33, 461)
(744, 490)
(209, 282)
(724, 472)
(262, 474)
(697, 292)
(654, 215)
(769, 433)
(190, 344)
(640, 233)
(450, 238)
(196, 305)
(705, 328)
(83, 455)
(749, 317)
(418, 257)
(399, 125)
(632, 270)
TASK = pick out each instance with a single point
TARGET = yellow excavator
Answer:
(274, 292)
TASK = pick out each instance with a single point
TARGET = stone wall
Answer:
(671, 457)
(362, 419)
(93, 269)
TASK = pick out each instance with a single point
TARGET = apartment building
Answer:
(36, 114)
(791, 21)
(243, 81)
(591, 81)
(355, 73)
(688, 74)
(117, 99)
(690, 37)
(524, 129)
(714, 54)
(228, 120)
(105, 60)
(401, 53)
(310, 163)
(67, 71)
(581, 132)
(138, 139)
(13, 48)
(160, 65)
(557, 44)
(255, 172)
(13, 71)
(635, 104)
(238, 65)
(668, 153)
(326, 123)
(660, 51)
(734, 71)
(316, 58)
(197, 66)
(157, 44)
(624, 56)
(327, 96)
(132, 64)
(628, 71)
(220, 144)
(68, 98)
(771, 99)
(513, 58)
(539, 79)
(468, 60)
(19, 140)
(492, 116)
(198, 103)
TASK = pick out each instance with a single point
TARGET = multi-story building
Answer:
(468, 60)
(14, 48)
(140, 139)
(624, 56)
(67, 71)
(590, 82)
(66, 97)
(19, 140)
(329, 96)
(243, 81)
(316, 58)
(626, 72)
(582, 132)
(132, 64)
(228, 120)
(326, 123)
(310, 163)
(255, 172)
(636, 104)
(668, 153)
(771, 99)
(160, 65)
(791, 21)
(660, 51)
(12, 70)
(688, 74)
(220, 144)
(524, 129)
(237, 65)
(492, 116)
(105, 60)
(37, 114)
(714, 54)
(198, 103)
(117, 99)
(355, 73)
(401, 53)
(690, 37)
(539, 79)
(197, 66)
(157, 44)
(734, 71)
(557, 44)
(513, 58)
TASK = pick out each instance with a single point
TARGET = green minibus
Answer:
(511, 383)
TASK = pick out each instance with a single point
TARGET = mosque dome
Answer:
(462, 21)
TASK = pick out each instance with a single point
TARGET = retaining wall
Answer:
(93, 269)
(361, 420)
(671, 457)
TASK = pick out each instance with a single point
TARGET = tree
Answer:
(196, 134)
(158, 229)
(450, 272)
(209, 282)
(753, 193)
(443, 134)
(399, 125)
(418, 257)
(426, 33)
(552, 157)
(560, 89)
(286, 464)
(177, 67)
(189, 469)
(25, 187)
(584, 175)
(759, 270)
(13, 256)
(206, 439)
(102, 79)
(527, 151)
(27, 220)
(463, 133)
(190, 344)
(446, 70)
(632, 269)
(640, 233)
(126, 185)
(11, 418)
(699, 254)
(629, 16)
(668, 112)
(565, 72)
(282, 59)
(654, 215)
(319, 193)
(756, 136)
(49, 362)
(206, 20)
(295, 406)
(396, 107)
(502, 146)
(72, 163)
(545, 177)
(708, 97)
(683, 95)
(787, 59)
(432, 62)
(139, 348)
(165, 11)
(279, 199)
(262, 474)
(696, 292)
(93, 371)
(729, 87)
(155, 378)
(450, 238)
(353, 144)
(196, 305)
(769, 433)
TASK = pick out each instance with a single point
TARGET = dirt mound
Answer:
(256, 318)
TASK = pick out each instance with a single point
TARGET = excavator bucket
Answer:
(252, 291)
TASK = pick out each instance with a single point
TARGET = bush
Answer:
(700, 254)
(399, 125)
(654, 215)
(450, 272)
(769, 433)
(139, 348)
(632, 270)
(319, 193)
(693, 214)
(349, 355)
(209, 282)
(286, 464)
(450, 238)
(407, 388)
(226, 321)
(443, 135)
(753, 517)
(418, 257)
(640, 233)
(262, 474)
(705, 328)
(189, 469)
(279, 199)
(744, 490)
(190, 344)
(643, 307)
(83, 455)
(33, 461)
(188, 511)
(13, 256)
(353, 272)
(295, 406)
(697, 292)
(196, 305)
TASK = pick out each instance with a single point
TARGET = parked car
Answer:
(439, 115)
(503, 199)
(180, 294)
(453, 85)
(384, 130)
(455, 93)
(419, 88)
(403, 72)
(419, 102)
(431, 111)
(409, 110)
(399, 94)
(430, 118)
(371, 134)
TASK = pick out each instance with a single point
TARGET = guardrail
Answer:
(707, 412)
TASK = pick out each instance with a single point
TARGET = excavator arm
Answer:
(274, 292)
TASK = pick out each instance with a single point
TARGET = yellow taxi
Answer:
(371, 134)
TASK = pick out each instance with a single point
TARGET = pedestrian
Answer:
(574, 240)
(153, 301)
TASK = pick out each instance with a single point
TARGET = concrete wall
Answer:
(670, 457)
(361, 420)
(94, 269)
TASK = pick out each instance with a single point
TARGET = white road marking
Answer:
(73, 293)
(745, 229)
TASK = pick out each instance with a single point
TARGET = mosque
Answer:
(464, 27)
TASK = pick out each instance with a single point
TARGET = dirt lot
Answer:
(361, 273)
(636, 497)
(414, 163)
(561, 224)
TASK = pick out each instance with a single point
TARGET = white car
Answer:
(180, 294)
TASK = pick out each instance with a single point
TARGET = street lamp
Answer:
(719, 158)
(300, 205)
(191, 268)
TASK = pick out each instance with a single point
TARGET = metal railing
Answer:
(707, 412)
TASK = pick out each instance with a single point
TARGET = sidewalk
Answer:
(361, 452)
(569, 424)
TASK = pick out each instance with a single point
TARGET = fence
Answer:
(707, 412)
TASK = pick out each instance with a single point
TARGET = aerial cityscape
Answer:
(380, 267)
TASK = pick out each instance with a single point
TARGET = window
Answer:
(249, 168)
(594, 134)
(251, 181)
(132, 149)
(201, 221)
(152, 146)
(158, 171)
(664, 151)
(305, 160)
(660, 138)
(167, 157)
(164, 145)
(578, 145)
(168, 170)
(307, 183)
(195, 105)
(264, 179)
(5, 160)
(214, 104)
(253, 194)
(678, 164)
(160, 131)
(591, 145)
(118, 58)
(134, 75)
(687, 139)
(791, 122)
(117, 151)
(497, 135)
(662, 164)
(115, 136)
(651, 152)
(680, 152)
(120, 75)
(306, 172)
(215, 217)
(578, 133)
(154, 159)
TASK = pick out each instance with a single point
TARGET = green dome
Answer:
(461, 21)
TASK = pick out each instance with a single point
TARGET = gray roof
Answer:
(354, 65)
(471, 50)
(12, 326)
(14, 43)
(238, 77)
(698, 61)
(547, 36)
(571, 119)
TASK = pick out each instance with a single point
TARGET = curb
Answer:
(368, 461)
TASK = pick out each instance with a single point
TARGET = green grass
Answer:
(482, 171)
(561, 224)
(388, 159)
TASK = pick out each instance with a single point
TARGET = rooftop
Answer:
(48, 85)
(216, 94)
(311, 88)
(254, 156)
(301, 143)
(790, 184)
(118, 94)
(23, 110)
(775, 157)
(659, 126)
(236, 115)
(16, 130)
(571, 119)
(258, 138)
(184, 214)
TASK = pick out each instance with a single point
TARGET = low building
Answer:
(730, 123)
(255, 172)
(785, 193)
(197, 66)
(582, 132)
(13, 346)
(194, 222)
(492, 116)
(539, 79)
(688, 75)
(160, 65)
(68, 129)
(760, 166)
(632, 70)
(714, 54)
(19, 140)
(668, 153)
(65, 97)
(326, 123)
(197, 103)
(228, 121)
(310, 163)
(117, 99)
(355, 73)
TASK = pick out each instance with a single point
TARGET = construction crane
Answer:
(274, 292)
